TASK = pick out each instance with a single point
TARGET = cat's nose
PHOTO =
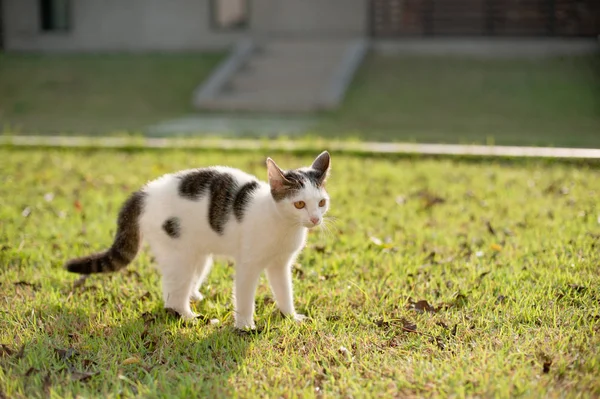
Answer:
(315, 221)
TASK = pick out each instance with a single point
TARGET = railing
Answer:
(562, 18)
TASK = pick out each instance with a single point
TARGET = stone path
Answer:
(302, 146)
(232, 126)
(282, 75)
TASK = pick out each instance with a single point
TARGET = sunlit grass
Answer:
(538, 101)
(97, 94)
(505, 255)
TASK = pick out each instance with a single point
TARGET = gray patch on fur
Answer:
(242, 199)
(172, 227)
(296, 178)
(222, 194)
(294, 182)
(125, 246)
(195, 184)
(314, 176)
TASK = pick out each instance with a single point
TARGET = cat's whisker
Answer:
(331, 224)
(331, 219)
(333, 227)
(325, 231)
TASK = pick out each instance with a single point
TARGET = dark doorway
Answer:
(55, 15)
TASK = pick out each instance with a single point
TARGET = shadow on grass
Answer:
(71, 352)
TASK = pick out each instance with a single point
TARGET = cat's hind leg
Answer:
(178, 280)
(246, 281)
(203, 266)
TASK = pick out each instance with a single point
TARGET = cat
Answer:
(188, 216)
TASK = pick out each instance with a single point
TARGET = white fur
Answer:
(269, 238)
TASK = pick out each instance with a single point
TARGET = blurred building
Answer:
(141, 25)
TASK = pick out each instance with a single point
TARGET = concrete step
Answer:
(267, 101)
(283, 76)
(295, 77)
(309, 48)
(262, 62)
(280, 85)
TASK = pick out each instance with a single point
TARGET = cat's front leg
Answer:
(280, 279)
(246, 281)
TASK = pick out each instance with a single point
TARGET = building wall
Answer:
(333, 18)
(116, 25)
(1, 28)
(174, 25)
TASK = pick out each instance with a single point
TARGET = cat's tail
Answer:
(124, 248)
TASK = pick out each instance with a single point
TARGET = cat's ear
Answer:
(322, 164)
(276, 178)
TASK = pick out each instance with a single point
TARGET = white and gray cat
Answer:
(189, 216)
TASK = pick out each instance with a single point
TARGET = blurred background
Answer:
(510, 72)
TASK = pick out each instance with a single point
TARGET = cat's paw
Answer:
(299, 317)
(245, 325)
(248, 332)
(196, 296)
(186, 315)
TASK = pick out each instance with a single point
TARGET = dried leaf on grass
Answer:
(82, 376)
(546, 366)
(572, 290)
(5, 350)
(80, 281)
(556, 188)
(496, 247)
(131, 360)
(320, 248)
(402, 323)
(421, 306)
(23, 283)
(149, 318)
(145, 296)
(47, 384)
(482, 275)
(500, 299)
(429, 199)
(546, 361)
(66, 354)
(490, 228)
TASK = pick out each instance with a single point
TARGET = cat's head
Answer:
(300, 193)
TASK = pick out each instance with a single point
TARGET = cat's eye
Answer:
(322, 203)
(299, 204)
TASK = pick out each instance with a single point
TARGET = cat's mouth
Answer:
(311, 225)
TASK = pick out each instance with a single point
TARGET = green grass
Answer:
(549, 102)
(505, 254)
(95, 94)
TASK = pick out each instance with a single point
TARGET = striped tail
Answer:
(126, 244)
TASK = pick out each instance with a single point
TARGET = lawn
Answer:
(547, 102)
(436, 278)
(97, 94)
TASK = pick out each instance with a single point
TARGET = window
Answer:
(1, 28)
(55, 15)
(229, 14)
